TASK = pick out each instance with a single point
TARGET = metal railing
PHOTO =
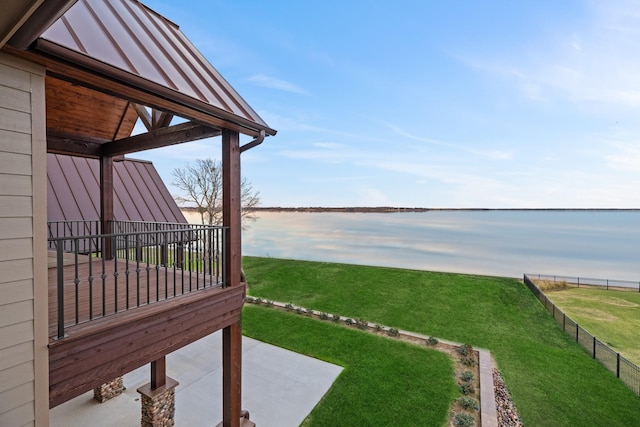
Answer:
(627, 371)
(103, 274)
(74, 228)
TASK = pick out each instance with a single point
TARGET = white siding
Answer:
(23, 356)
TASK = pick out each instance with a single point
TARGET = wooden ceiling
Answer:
(74, 110)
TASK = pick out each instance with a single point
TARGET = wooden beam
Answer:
(161, 137)
(161, 119)
(144, 115)
(73, 145)
(231, 335)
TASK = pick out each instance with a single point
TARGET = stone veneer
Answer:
(158, 405)
(109, 390)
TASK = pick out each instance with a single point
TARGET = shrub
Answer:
(248, 299)
(269, 303)
(432, 341)
(258, 300)
(466, 376)
(362, 324)
(335, 318)
(464, 420)
(299, 310)
(468, 403)
(469, 360)
(349, 321)
(466, 387)
(465, 350)
(378, 327)
(393, 332)
(324, 316)
(289, 306)
(309, 312)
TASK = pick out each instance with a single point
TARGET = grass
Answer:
(552, 380)
(611, 315)
(378, 372)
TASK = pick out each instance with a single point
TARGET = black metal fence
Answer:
(586, 281)
(102, 274)
(627, 371)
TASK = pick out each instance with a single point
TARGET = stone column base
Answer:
(158, 406)
(109, 390)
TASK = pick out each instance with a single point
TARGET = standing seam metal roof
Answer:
(129, 36)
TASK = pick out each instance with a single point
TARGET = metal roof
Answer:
(127, 40)
(139, 193)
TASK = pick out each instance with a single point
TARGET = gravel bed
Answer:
(507, 412)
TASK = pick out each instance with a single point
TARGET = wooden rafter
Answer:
(184, 132)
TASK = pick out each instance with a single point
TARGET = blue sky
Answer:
(500, 104)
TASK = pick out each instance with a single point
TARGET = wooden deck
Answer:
(106, 288)
(96, 350)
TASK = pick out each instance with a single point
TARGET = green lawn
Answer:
(612, 316)
(377, 370)
(552, 380)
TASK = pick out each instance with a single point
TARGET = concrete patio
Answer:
(279, 387)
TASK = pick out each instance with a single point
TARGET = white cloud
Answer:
(275, 83)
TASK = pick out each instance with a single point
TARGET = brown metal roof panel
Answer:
(132, 38)
(139, 193)
(164, 197)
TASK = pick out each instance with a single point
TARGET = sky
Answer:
(436, 104)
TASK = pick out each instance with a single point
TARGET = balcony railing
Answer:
(139, 263)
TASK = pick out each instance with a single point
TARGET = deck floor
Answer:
(104, 288)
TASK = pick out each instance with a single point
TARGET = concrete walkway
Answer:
(279, 388)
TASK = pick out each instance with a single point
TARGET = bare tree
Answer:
(201, 184)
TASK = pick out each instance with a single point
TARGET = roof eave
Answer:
(55, 50)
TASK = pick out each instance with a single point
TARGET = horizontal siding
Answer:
(15, 228)
(16, 355)
(15, 78)
(14, 270)
(15, 121)
(15, 164)
(16, 312)
(17, 368)
(15, 206)
(15, 249)
(14, 142)
(20, 416)
(16, 396)
(15, 99)
(16, 376)
(15, 334)
(15, 185)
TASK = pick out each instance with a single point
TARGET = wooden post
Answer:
(231, 335)
(106, 203)
(158, 373)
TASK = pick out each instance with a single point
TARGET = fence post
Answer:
(594, 347)
(60, 265)
(577, 333)
(578, 282)
(564, 322)
(607, 284)
(618, 365)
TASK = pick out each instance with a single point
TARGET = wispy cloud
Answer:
(594, 63)
(485, 154)
(276, 83)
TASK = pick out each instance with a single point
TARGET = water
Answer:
(593, 244)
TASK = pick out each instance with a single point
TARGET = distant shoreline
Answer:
(390, 209)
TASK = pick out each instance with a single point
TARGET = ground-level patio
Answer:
(279, 388)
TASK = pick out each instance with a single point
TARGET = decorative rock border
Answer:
(488, 404)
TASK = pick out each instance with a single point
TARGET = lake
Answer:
(591, 243)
